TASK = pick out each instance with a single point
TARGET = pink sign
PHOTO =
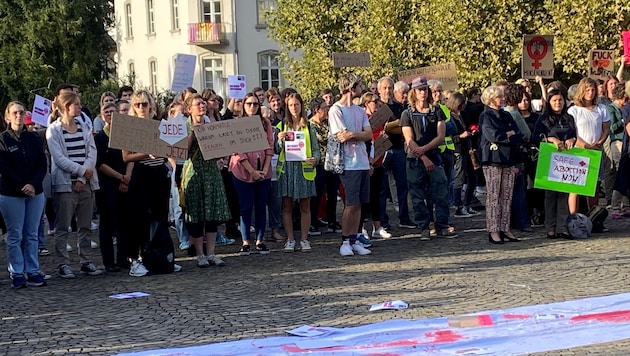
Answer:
(626, 46)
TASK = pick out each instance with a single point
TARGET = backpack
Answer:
(598, 215)
(579, 226)
(159, 253)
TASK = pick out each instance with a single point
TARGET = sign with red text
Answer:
(174, 129)
(143, 135)
(237, 86)
(295, 146)
(41, 110)
(572, 171)
(537, 57)
(601, 63)
(446, 73)
(223, 138)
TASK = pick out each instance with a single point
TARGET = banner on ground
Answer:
(537, 57)
(184, 72)
(601, 63)
(446, 73)
(223, 138)
(143, 135)
(572, 171)
(360, 59)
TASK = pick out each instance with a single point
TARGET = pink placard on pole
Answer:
(625, 35)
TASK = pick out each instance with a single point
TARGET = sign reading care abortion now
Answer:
(222, 138)
(572, 171)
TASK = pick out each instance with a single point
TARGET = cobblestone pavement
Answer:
(261, 295)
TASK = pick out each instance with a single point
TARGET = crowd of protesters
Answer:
(444, 147)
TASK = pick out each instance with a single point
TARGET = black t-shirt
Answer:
(424, 127)
(397, 140)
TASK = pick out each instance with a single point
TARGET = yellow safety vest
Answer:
(448, 140)
(307, 170)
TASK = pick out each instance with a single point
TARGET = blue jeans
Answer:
(423, 184)
(252, 197)
(41, 235)
(22, 217)
(520, 214)
(395, 161)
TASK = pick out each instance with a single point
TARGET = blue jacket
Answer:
(22, 161)
(495, 147)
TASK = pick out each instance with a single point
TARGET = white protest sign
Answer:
(174, 129)
(41, 110)
(223, 138)
(566, 168)
(237, 86)
(184, 72)
(537, 57)
(392, 304)
(601, 63)
(295, 146)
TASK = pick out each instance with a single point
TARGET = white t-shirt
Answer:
(588, 123)
(351, 118)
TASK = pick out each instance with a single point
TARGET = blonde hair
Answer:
(66, 98)
(140, 96)
(578, 98)
(490, 93)
(366, 98)
(10, 105)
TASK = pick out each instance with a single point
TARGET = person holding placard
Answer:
(619, 201)
(558, 127)
(252, 179)
(592, 123)
(296, 169)
(206, 203)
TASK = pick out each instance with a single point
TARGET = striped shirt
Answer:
(75, 146)
(152, 162)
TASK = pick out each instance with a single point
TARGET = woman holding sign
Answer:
(252, 179)
(296, 169)
(558, 127)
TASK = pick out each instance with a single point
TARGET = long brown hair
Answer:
(578, 99)
(287, 113)
(264, 121)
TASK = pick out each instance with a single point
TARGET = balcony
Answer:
(205, 34)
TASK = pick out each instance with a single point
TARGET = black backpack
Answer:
(159, 253)
(598, 215)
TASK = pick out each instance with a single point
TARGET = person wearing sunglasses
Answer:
(252, 180)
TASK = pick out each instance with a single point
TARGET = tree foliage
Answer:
(482, 37)
(52, 41)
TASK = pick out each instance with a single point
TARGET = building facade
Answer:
(226, 36)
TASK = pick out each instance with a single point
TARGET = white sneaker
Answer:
(289, 246)
(346, 249)
(305, 246)
(360, 250)
(213, 260)
(93, 226)
(137, 269)
(202, 262)
(177, 268)
(382, 233)
(93, 244)
(68, 248)
(365, 233)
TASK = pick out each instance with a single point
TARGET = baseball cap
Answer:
(419, 83)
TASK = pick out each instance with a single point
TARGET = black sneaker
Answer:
(18, 282)
(36, 280)
(66, 272)
(407, 225)
(334, 228)
(90, 269)
(313, 231)
(262, 249)
(244, 251)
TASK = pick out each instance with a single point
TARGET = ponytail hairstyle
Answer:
(64, 100)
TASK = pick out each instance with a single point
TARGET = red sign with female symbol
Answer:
(537, 56)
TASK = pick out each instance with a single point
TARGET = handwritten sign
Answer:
(381, 145)
(537, 56)
(174, 129)
(184, 72)
(222, 138)
(381, 116)
(360, 59)
(143, 135)
(237, 86)
(572, 171)
(601, 63)
(41, 110)
(446, 73)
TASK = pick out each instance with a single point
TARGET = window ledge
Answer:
(262, 26)
(151, 35)
(176, 31)
(129, 38)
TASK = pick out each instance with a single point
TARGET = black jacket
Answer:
(22, 161)
(495, 146)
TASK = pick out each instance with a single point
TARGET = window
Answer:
(211, 10)
(263, 7)
(131, 68)
(269, 69)
(150, 18)
(128, 18)
(213, 74)
(174, 14)
(153, 75)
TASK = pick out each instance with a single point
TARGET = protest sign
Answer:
(537, 59)
(381, 145)
(295, 146)
(446, 73)
(601, 63)
(381, 116)
(572, 171)
(361, 59)
(237, 86)
(41, 110)
(222, 138)
(625, 36)
(143, 135)
(174, 129)
(184, 72)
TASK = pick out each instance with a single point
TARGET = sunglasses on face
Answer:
(251, 103)
(138, 105)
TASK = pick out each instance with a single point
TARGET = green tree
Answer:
(52, 41)
(482, 37)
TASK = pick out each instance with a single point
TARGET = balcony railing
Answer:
(205, 33)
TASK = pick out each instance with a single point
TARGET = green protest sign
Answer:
(572, 171)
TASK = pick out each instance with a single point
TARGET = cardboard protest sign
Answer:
(222, 138)
(625, 36)
(41, 110)
(184, 72)
(381, 116)
(361, 59)
(446, 73)
(601, 63)
(572, 171)
(174, 129)
(537, 56)
(237, 86)
(143, 135)
(381, 145)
